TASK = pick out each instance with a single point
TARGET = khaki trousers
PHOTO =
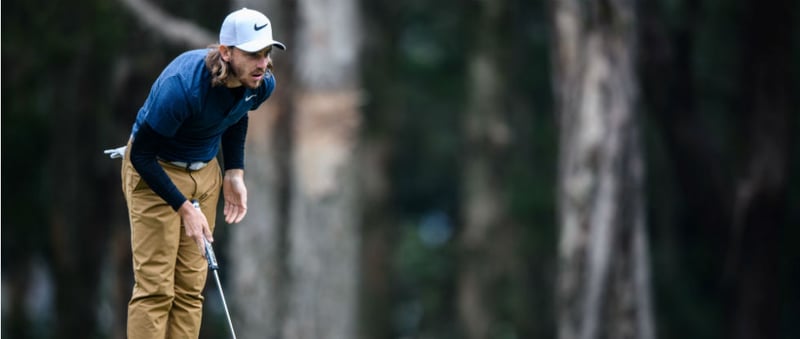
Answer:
(169, 270)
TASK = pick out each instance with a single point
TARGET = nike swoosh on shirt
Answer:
(258, 28)
(250, 97)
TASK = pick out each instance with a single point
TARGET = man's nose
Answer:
(263, 62)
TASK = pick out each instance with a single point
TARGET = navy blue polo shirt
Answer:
(186, 119)
(191, 115)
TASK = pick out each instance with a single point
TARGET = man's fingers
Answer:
(201, 246)
(242, 211)
(198, 229)
(233, 216)
(228, 210)
(208, 235)
(234, 213)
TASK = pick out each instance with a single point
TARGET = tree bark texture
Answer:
(603, 282)
(258, 245)
(324, 235)
(324, 232)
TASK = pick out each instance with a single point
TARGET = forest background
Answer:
(430, 169)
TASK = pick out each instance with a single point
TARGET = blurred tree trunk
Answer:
(324, 234)
(376, 248)
(760, 205)
(80, 203)
(380, 222)
(257, 247)
(603, 283)
(487, 255)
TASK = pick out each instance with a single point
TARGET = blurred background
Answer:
(430, 169)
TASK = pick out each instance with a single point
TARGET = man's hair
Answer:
(220, 69)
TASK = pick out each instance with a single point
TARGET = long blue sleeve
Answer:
(143, 157)
(233, 144)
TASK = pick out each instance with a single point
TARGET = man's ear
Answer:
(225, 53)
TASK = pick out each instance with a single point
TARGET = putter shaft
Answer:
(214, 267)
(224, 304)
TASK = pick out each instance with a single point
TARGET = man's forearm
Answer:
(233, 144)
(143, 158)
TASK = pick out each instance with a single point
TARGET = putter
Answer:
(214, 266)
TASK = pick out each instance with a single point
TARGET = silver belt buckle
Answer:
(196, 166)
(191, 166)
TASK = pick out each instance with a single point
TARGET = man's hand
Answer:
(196, 224)
(235, 194)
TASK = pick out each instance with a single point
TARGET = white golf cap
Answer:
(247, 30)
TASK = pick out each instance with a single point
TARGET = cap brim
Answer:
(257, 45)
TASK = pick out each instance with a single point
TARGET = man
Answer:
(199, 102)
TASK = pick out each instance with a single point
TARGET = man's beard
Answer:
(245, 79)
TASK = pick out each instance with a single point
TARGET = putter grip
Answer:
(210, 256)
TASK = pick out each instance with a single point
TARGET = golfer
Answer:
(198, 104)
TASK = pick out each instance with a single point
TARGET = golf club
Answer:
(214, 266)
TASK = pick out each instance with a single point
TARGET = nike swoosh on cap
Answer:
(250, 97)
(258, 28)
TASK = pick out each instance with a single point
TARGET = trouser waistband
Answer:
(189, 166)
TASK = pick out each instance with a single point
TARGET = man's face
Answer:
(248, 68)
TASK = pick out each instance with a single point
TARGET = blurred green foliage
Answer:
(75, 72)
